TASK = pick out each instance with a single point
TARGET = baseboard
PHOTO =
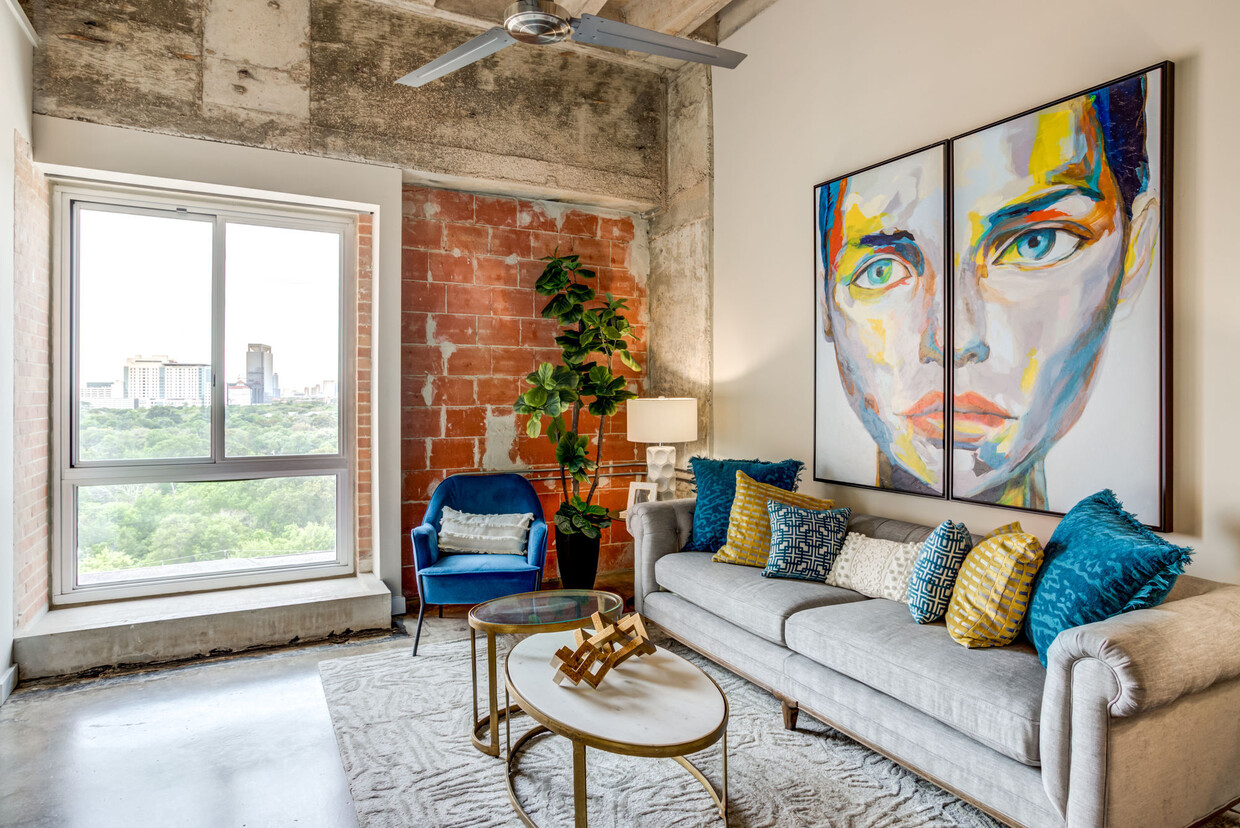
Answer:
(8, 684)
(398, 605)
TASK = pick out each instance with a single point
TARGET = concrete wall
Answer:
(318, 77)
(817, 98)
(147, 158)
(16, 84)
(681, 324)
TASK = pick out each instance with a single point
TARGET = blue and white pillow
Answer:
(804, 542)
(934, 573)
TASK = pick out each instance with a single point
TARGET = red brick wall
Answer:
(471, 331)
(32, 384)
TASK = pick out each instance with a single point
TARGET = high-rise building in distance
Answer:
(258, 373)
(158, 378)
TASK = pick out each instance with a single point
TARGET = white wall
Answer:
(16, 89)
(832, 86)
(165, 159)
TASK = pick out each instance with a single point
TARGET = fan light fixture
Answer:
(542, 21)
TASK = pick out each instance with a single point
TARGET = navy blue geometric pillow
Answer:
(1100, 561)
(934, 573)
(804, 542)
(716, 489)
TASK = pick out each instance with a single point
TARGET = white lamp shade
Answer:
(662, 420)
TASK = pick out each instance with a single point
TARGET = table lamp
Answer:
(662, 420)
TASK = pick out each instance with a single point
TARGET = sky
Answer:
(145, 288)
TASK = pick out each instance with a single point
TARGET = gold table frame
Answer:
(491, 720)
(581, 741)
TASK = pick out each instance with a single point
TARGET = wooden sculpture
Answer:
(610, 645)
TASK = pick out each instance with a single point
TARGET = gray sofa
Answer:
(1135, 723)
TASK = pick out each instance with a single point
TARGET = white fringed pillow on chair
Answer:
(486, 534)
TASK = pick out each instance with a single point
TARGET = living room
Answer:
(284, 277)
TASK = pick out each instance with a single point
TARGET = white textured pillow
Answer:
(486, 534)
(874, 567)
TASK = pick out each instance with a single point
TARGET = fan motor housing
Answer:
(537, 21)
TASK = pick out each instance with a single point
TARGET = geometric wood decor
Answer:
(610, 645)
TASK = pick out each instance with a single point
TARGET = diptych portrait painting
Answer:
(1052, 309)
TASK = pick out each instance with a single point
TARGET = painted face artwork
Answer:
(1051, 241)
(882, 255)
(1054, 225)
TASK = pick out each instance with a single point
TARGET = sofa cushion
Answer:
(741, 595)
(749, 524)
(993, 696)
(716, 487)
(1099, 562)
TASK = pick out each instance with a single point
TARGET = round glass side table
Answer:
(551, 610)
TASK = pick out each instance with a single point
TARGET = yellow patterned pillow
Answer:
(993, 589)
(749, 525)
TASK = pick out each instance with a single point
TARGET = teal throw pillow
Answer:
(934, 572)
(1099, 562)
(804, 542)
(716, 489)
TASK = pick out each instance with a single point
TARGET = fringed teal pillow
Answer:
(1100, 562)
(716, 489)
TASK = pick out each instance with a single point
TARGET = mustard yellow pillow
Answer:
(749, 525)
(993, 589)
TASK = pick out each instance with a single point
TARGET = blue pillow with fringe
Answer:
(716, 489)
(1100, 562)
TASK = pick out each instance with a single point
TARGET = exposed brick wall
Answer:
(32, 384)
(471, 331)
(363, 538)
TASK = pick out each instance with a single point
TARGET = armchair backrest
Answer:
(484, 494)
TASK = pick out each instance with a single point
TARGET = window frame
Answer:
(68, 197)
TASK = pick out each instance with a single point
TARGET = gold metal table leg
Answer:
(490, 722)
(579, 784)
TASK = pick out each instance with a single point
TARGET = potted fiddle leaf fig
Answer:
(594, 336)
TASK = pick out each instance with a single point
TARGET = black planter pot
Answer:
(577, 556)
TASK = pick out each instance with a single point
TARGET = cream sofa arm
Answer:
(1126, 666)
(658, 528)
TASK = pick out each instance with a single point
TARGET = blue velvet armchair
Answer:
(472, 579)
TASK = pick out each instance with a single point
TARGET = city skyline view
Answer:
(145, 290)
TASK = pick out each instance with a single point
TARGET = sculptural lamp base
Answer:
(661, 469)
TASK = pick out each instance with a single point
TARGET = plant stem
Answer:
(598, 458)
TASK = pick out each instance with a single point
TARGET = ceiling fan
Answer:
(542, 21)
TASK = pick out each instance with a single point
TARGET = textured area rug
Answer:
(403, 728)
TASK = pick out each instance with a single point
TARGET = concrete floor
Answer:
(240, 741)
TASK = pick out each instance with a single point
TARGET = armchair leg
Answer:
(418, 634)
(441, 610)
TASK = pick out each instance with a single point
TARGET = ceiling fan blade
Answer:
(599, 31)
(487, 43)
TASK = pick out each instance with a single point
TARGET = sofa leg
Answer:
(790, 711)
(418, 634)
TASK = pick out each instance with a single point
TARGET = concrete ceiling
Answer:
(700, 19)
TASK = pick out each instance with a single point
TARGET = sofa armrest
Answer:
(1158, 654)
(658, 528)
(1124, 668)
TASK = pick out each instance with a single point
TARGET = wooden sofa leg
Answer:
(790, 710)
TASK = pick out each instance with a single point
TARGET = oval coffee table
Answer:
(547, 610)
(655, 706)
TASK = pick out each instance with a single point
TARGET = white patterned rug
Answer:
(402, 724)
